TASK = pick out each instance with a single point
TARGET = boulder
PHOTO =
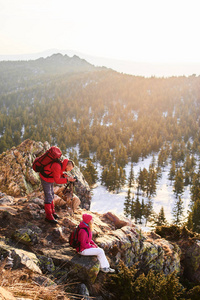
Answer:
(119, 223)
(84, 268)
(46, 264)
(28, 235)
(20, 257)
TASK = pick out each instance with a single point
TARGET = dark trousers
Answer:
(48, 191)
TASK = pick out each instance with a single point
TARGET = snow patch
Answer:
(104, 201)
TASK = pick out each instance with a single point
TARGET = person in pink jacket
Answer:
(87, 245)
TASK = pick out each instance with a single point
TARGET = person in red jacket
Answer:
(88, 246)
(54, 173)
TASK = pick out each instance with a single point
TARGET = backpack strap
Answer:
(50, 172)
(85, 230)
(78, 233)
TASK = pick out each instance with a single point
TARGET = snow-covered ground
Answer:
(104, 201)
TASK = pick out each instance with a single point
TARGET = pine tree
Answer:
(162, 158)
(187, 163)
(195, 188)
(189, 169)
(121, 179)
(112, 178)
(161, 220)
(148, 210)
(114, 182)
(172, 171)
(193, 218)
(121, 155)
(90, 173)
(104, 176)
(73, 156)
(135, 152)
(178, 211)
(106, 159)
(151, 182)
(189, 222)
(137, 212)
(84, 150)
(131, 177)
(142, 179)
(142, 210)
(178, 182)
(127, 204)
(132, 211)
(153, 162)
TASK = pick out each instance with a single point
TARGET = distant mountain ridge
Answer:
(54, 63)
(145, 69)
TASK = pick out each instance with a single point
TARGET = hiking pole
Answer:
(71, 193)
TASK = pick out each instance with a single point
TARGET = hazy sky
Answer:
(137, 30)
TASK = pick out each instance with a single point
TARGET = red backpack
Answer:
(73, 238)
(49, 157)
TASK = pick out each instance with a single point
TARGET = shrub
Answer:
(128, 284)
(174, 232)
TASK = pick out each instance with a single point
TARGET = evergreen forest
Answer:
(113, 118)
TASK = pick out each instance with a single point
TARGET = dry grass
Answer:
(21, 284)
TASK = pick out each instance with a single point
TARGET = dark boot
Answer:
(51, 221)
(49, 216)
(53, 211)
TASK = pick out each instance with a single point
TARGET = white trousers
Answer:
(99, 252)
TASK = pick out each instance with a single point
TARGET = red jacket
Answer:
(85, 240)
(56, 171)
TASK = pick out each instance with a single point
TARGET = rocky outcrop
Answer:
(44, 249)
(28, 242)
(119, 237)
(17, 178)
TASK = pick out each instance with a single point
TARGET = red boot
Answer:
(53, 211)
(49, 216)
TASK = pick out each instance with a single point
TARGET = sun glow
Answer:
(141, 31)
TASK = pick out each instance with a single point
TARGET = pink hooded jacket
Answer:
(85, 240)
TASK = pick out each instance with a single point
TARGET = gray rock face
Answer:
(129, 245)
